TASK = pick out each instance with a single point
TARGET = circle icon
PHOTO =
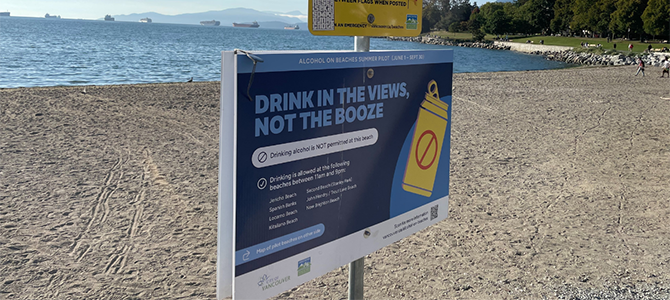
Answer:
(371, 18)
(262, 183)
(262, 157)
(426, 150)
(371, 73)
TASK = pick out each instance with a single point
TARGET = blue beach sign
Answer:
(326, 157)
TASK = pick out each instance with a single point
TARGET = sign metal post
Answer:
(362, 44)
(356, 274)
(356, 279)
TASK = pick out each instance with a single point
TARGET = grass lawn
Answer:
(458, 35)
(621, 45)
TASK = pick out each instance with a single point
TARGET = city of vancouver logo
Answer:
(266, 282)
(304, 266)
(412, 22)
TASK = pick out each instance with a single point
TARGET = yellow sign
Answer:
(424, 156)
(365, 17)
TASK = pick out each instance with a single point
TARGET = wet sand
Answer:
(559, 186)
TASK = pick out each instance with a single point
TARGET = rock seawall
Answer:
(568, 55)
(435, 40)
(584, 58)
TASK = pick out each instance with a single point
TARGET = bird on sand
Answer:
(190, 80)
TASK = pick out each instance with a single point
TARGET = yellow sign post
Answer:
(365, 17)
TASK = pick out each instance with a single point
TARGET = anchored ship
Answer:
(210, 23)
(4, 14)
(252, 25)
(109, 18)
(145, 20)
(48, 16)
(296, 27)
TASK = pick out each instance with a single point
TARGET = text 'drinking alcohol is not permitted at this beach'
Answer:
(288, 152)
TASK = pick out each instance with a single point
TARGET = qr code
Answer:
(433, 212)
(323, 17)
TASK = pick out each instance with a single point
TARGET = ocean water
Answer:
(47, 52)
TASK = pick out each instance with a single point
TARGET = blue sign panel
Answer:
(333, 148)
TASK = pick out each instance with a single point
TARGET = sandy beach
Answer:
(559, 190)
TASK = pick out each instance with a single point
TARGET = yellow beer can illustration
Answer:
(427, 141)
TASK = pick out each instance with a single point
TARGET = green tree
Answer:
(655, 18)
(431, 15)
(562, 16)
(593, 15)
(475, 24)
(627, 19)
(444, 5)
(538, 14)
(455, 27)
(517, 23)
(603, 11)
(584, 16)
(499, 23)
(459, 11)
(446, 22)
(462, 9)
(495, 20)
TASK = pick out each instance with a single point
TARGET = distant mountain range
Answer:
(226, 17)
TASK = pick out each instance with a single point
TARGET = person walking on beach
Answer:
(640, 67)
(666, 67)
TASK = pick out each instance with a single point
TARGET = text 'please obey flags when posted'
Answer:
(325, 158)
(365, 17)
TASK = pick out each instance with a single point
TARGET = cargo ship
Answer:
(108, 18)
(296, 27)
(210, 23)
(4, 14)
(252, 25)
(145, 20)
(48, 16)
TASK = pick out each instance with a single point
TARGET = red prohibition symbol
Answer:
(422, 151)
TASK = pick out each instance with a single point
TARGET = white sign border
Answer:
(227, 177)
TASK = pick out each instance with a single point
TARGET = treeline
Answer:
(634, 19)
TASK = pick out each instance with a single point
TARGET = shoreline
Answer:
(558, 189)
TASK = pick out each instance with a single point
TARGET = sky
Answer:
(97, 9)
